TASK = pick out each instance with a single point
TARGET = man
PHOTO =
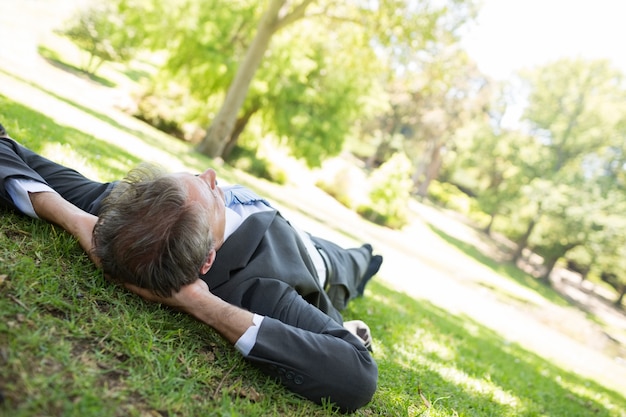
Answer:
(262, 282)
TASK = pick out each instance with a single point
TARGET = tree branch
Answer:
(341, 19)
(295, 14)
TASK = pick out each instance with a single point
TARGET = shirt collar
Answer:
(233, 221)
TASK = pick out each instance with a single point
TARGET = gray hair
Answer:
(149, 235)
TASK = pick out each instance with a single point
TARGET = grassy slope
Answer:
(72, 344)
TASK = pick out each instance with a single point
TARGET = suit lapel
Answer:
(236, 252)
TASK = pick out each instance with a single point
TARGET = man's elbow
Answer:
(356, 388)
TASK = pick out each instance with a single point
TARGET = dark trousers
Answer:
(344, 270)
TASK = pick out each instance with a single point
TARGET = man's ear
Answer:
(209, 261)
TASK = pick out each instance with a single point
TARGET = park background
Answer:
(477, 334)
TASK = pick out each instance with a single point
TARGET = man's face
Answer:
(203, 190)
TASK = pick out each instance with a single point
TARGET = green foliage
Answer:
(308, 91)
(313, 90)
(345, 182)
(607, 244)
(553, 181)
(204, 40)
(495, 163)
(106, 31)
(589, 97)
(162, 111)
(390, 193)
(449, 196)
(249, 161)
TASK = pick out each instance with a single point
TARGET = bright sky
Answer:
(514, 34)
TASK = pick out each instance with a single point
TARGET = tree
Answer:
(308, 91)
(387, 25)
(610, 245)
(272, 20)
(569, 216)
(105, 31)
(317, 93)
(453, 93)
(424, 63)
(607, 245)
(495, 163)
(573, 108)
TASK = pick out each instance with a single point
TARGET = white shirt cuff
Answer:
(18, 189)
(248, 339)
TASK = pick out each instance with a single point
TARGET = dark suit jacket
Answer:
(263, 267)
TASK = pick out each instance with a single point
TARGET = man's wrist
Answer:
(230, 321)
(247, 340)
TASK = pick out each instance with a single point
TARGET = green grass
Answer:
(72, 344)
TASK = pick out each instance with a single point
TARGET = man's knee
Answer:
(339, 296)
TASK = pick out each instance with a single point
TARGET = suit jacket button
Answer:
(290, 375)
(298, 379)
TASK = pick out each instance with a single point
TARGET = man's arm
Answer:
(52, 207)
(196, 299)
(306, 350)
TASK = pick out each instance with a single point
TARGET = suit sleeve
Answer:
(310, 353)
(16, 161)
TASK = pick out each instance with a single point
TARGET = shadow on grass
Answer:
(37, 132)
(505, 269)
(461, 366)
(55, 60)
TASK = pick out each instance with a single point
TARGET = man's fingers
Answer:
(143, 293)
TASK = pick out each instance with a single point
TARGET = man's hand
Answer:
(196, 299)
(360, 330)
(183, 300)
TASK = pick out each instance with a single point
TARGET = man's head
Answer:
(158, 231)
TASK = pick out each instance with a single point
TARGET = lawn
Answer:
(72, 344)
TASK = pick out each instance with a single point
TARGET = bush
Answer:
(343, 181)
(163, 112)
(449, 196)
(248, 161)
(390, 193)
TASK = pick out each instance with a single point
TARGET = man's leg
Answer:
(349, 270)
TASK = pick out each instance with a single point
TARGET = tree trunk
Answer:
(379, 156)
(487, 229)
(549, 265)
(219, 132)
(523, 242)
(552, 262)
(584, 275)
(240, 125)
(620, 298)
(432, 169)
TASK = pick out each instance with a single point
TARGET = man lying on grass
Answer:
(221, 254)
